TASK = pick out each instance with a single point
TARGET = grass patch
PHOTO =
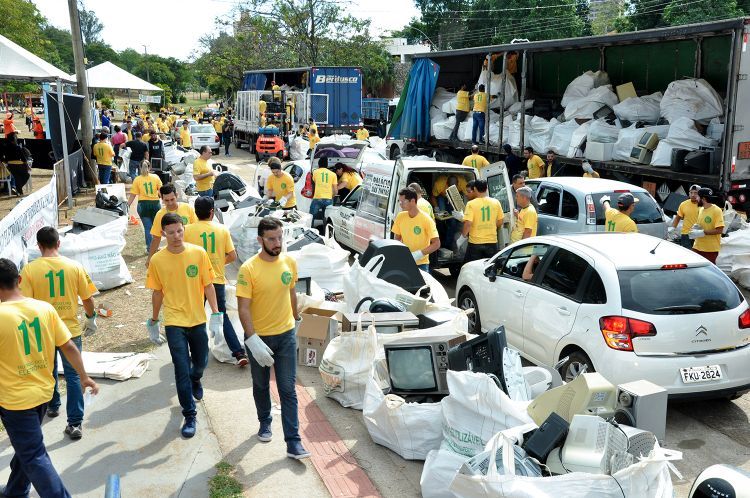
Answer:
(223, 484)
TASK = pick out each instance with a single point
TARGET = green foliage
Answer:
(107, 102)
(675, 13)
(62, 43)
(91, 27)
(168, 97)
(22, 23)
(223, 484)
(182, 99)
(98, 52)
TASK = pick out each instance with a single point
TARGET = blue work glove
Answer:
(153, 332)
(216, 324)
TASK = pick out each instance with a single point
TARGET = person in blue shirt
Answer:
(105, 118)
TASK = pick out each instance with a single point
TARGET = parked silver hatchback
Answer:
(572, 205)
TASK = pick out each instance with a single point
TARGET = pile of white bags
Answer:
(585, 107)
(578, 138)
(327, 263)
(99, 250)
(602, 132)
(440, 97)
(628, 137)
(646, 108)
(695, 99)
(514, 137)
(539, 133)
(298, 149)
(496, 88)
(583, 85)
(734, 258)
(377, 144)
(682, 135)
(442, 130)
(561, 135)
(243, 227)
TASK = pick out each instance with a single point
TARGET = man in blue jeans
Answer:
(267, 304)
(30, 331)
(326, 188)
(478, 116)
(180, 276)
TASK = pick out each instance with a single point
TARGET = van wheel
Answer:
(575, 365)
(466, 300)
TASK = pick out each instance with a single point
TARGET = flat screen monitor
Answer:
(412, 370)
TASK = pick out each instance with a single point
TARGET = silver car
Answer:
(572, 205)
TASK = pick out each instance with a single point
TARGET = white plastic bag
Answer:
(515, 131)
(540, 133)
(682, 135)
(410, 429)
(732, 219)
(346, 365)
(496, 88)
(646, 108)
(585, 107)
(561, 135)
(691, 98)
(476, 410)
(440, 467)
(442, 129)
(298, 149)
(602, 132)
(577, 139)
(583, 85)
(327, 263)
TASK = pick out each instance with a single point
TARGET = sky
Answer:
(171, 28)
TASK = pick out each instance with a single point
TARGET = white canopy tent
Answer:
(107, 75)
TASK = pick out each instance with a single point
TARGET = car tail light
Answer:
(742, 197)
(216, 138)
(307, 190)
(744, 320)
(622, 191)
(731, 199)
(619, 331)
(674, 267)
(590, 210)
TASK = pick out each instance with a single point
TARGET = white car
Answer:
(204, 134)
(629, 306)
(178, 124)
(353, 153)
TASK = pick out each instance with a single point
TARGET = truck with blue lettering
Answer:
(329, 96)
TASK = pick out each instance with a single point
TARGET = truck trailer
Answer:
(542, 70)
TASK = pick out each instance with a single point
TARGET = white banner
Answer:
(151, 99)
(19, 227)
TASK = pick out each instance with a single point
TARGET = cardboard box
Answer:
(625, 91)
(597, 151)
(319, 326)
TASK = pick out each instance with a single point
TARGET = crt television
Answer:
(417, 366)
(587, 394)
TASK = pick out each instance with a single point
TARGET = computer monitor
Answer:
(587, 394)
(303, 286)
(594, 445)
(648, 141)
(418, 365)
(398, 267)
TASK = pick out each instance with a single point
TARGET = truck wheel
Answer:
(395, 152)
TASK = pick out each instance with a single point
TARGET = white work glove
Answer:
(587, 168)
(153, 332)
(460, 241)
(417, 255)
(670, 231)
(605, 198)
(216, 324)
(297, 323)
(285, 199)
(696, 233)
(458, 215)
(260, 351)
(90, 327)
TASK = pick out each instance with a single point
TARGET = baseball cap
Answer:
(626, 200)
(695, 187)
(705, 192)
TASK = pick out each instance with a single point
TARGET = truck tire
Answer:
(395, 152)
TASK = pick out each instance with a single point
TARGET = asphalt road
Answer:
(706, 432)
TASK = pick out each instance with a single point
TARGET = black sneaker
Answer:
(198, 390)
(53, 412)
(74, 432)
(188, 427)
(294, 449)
(264, 433)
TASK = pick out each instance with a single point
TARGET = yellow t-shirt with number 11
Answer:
(325, 180)
(30, 330)
(59, 281)
(146, 187)
(485, 215)
(215, 240)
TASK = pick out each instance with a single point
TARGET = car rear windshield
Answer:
(202, 129)
(334, 151)
(646, 210)
(703, 289)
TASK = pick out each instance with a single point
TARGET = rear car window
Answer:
(202, 129)
(703, 289)
(646, 209)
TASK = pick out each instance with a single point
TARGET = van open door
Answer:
(498, 186)
(398, 181)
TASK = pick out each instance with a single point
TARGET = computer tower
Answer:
(548, 436)
(642, 404)
(398, 267)
(305, 238)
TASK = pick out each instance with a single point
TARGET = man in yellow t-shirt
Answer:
(214, 238)
(618, 220)
(30, 330)
(313, 138)
(362, 133)
(708, 228)
(526, 216)
(146, 187)
(104, 154)
(688, 213)
(326, 188)
(181, 277)
(203, 172)
(312, 126)
(267, 305)
(479, 115)
(415, 229)
(482, 217)
(534, 164)
(422, 203)
(185, 140)
(280, 185)
(440, 187)
(61, 282)
(462, 110)
(347, 180)
(475, 160)
(168, 196)
(218, 123)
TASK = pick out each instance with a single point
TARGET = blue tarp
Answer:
(413, 120)
(254, 81)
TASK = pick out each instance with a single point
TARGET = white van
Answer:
(369, 210)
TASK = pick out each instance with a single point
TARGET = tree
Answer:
(605, 17)
(91, 27)
(62, 55)
(583, 11)
(640, 15)
(23, 24)
(675, 13)
(98, 52)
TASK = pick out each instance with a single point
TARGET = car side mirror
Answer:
(491, 272)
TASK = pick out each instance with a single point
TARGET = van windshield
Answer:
(646, 210)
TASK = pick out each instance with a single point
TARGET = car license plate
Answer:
(700, 374)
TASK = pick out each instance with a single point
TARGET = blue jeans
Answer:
(30, 463)
(229, 334)
(147, 212)
(104, 173)
(284, 347)
(477, 124)
(206, 193)
(227, 141)
(189, 349)
(74, 402)
(318, 208)
(133, 168)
